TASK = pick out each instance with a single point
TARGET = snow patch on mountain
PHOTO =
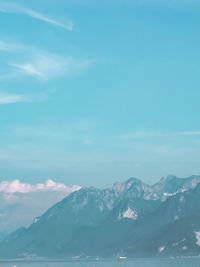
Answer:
(161, 249)
(165, 197)
(197, 234)
(129, 214)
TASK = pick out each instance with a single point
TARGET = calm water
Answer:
(192, 262)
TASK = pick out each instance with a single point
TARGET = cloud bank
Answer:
(15, 186)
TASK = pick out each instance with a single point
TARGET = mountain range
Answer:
(131, 219)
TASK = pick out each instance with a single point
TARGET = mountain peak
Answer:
(133, 180)
(121, 187)
(171, 177)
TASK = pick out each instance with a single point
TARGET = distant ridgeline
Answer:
(132, 219)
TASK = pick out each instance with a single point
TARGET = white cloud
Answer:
(16, 186)
(11, 8)
(6, 98)
(46, 66)
(12, 98)
(28, 69)
(34, 62)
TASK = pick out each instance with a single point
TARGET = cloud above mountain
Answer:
(17, 186)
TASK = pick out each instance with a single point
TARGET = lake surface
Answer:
(185, 262)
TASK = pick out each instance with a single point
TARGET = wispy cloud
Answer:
(46, 66)
(34, 62)
(29, 69)
(12, 98)
(12, 8)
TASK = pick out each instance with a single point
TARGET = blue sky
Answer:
(97, 91)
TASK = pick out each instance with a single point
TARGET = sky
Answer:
(92, 92)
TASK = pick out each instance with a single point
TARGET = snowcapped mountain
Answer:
(131, 218)
(21, 202)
